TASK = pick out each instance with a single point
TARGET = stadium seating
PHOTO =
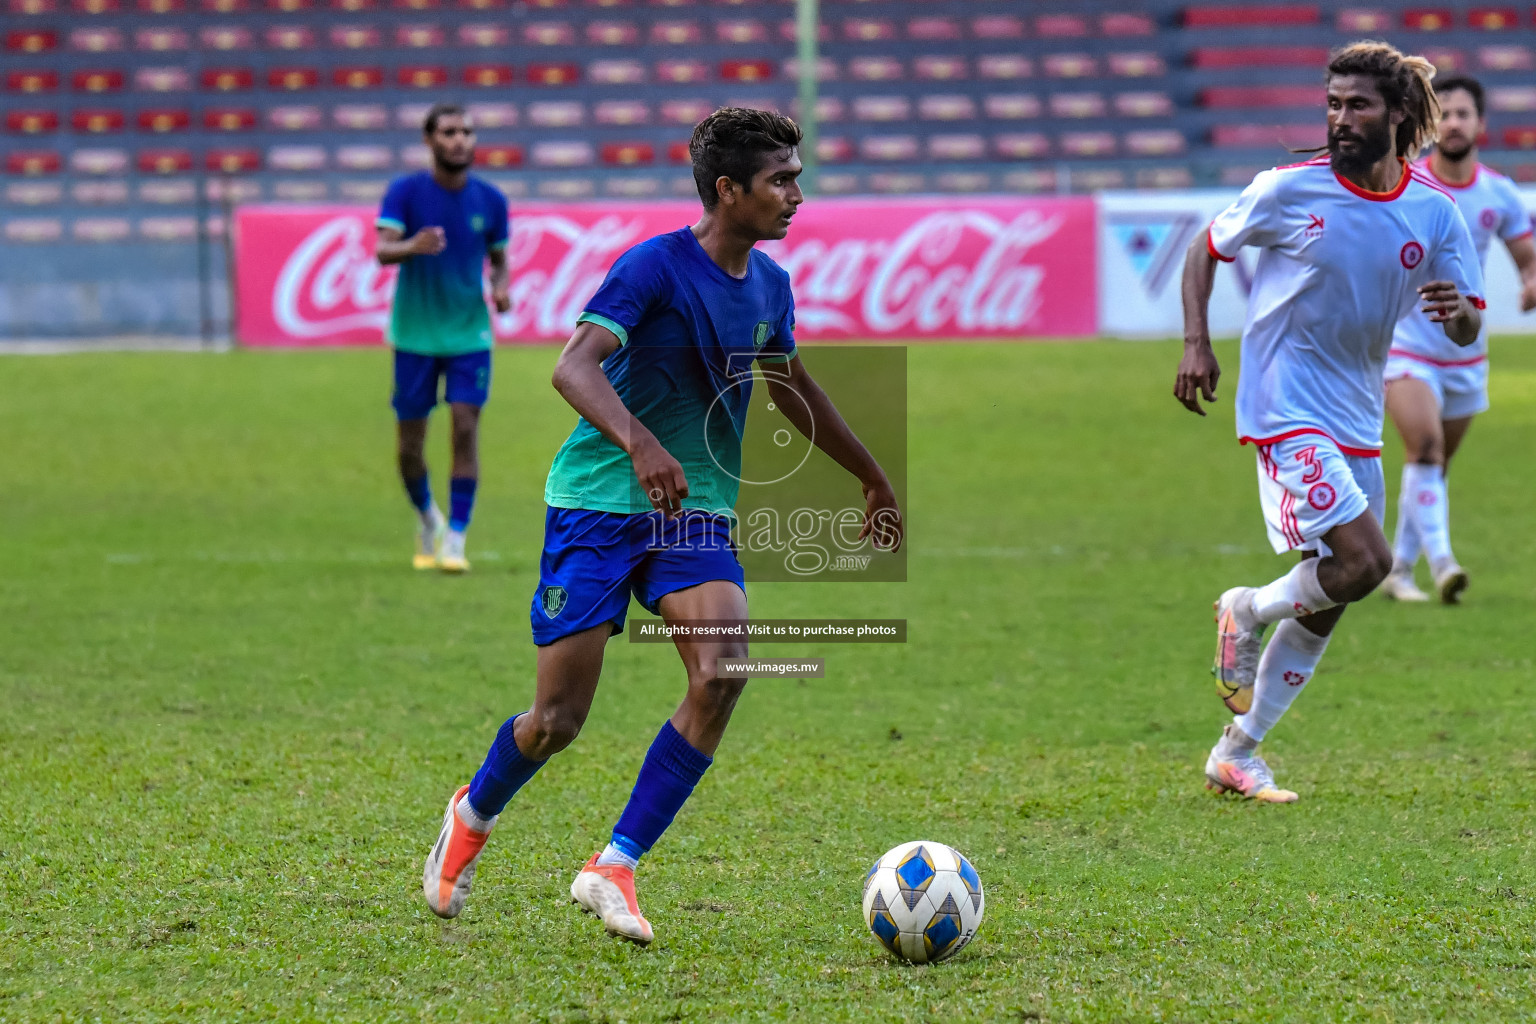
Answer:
(149, 107)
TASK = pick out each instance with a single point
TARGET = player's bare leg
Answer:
(464, 420)
(410, 456)
(568, 671)
(606, 885)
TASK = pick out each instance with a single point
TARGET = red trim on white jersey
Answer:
(1429, 165)
(1210, 247)
(1379, 197)
(1317, 161)
(1402, 353)
(1427, 181)
(1263, 442)
(1519, 238)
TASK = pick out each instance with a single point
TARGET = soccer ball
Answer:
(923, 901)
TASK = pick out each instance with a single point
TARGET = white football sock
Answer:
(1405, 545)
(471, 817)
(613, 855)
(1430, 510)
(1286, 666)
(431, 518)
(1295, 594)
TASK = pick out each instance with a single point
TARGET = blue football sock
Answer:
(503, 773)
(420, 491)
(461, 502)
(672, 768)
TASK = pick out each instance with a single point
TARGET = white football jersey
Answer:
(1338, 268)
(1491, 205)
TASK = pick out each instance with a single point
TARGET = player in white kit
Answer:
(1435, 387)
(1348, 244)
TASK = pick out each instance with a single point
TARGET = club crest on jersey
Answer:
(1489, 218)
(760, 334)
(477, 223)
(1314, 226)
(553, 599)
(1412, 255)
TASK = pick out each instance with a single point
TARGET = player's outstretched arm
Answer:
(1453, 311)
(807, 406)
(580, 380)
(501, 294)
(1198, 369)
(1523, 252)
(392, 248)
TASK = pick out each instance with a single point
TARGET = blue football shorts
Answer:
(593, 561)
(468, 378)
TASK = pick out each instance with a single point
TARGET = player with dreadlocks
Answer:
(1349, 243)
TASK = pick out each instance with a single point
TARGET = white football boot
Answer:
(1247, 775)
(429, 539)
(450, 867)
(452, 559)
(1399, 585)
(1236, 665)
(608, 890)
(1450, 581)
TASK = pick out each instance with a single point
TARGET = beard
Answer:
(454, 166)
(1369, 148)
(1455, 151)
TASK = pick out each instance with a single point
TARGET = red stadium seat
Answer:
(355, 37)
(1506, 58)
(572, 153)
(875, 69)
(1004, 66)
(32, 122)
(1077, 105)
(290, 37)
(1363, 19)
(354, 77)
(422, 76)
(1262, 96)
(628, 154)
(31, 41)
(1522, 137)
(492, 115)
(612, 33)
(33, 6)
(33, 161)
(882, 108)
(959, 146)
(677, 153)
(488, 76)
(941, 107)
(1011, 106)
(162, 80)
(1126, 23)
(164, 161)
(419, 37)
(1250, 15)
(1211, 57)
(1061, 26)
(746, 70)
(1144, 104)
(498, 156)
(1154, 142)
(1429, 19)
(161, 40)
(549, 33)
(161, 6)
(677, 33)
(289, 6)
(232, 161)
(688, 112)
(293, 79)
(225, 37)
(740, 30)
(161, 120)
(681, 72)
(300, 117)
(96, 40)
(933, 29)
(229, 119)
(31, 81)
(553, 74)
(621, 112)
(1493, 19)
(1249, 135)
(1070, 65)
(228, 79)
(224, 6)
(484, 34)
(482, 5)
(103, 80)
(95, 6)
(616, 72)
(889, 147)
(97, 120)
(296, 158)
(1020, 145)
(415, 5)
(997, 26)
(556, 114)
(940, 69)
(1089, 144)
(868, 30)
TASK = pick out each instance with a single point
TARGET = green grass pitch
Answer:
(232, 715)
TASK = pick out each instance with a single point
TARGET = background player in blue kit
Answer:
(640, 497)
(441, 226)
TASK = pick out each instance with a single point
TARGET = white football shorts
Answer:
(1307, 486)
(1460, 390)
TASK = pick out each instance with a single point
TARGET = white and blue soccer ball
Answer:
(923, 901)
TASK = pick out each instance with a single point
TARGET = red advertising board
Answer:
(867, 269)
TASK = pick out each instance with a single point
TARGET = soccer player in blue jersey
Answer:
(441, 226)
(640, 497)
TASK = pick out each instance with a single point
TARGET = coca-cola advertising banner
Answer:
(869, 269)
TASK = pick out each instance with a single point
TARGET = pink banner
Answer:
(866, 269)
